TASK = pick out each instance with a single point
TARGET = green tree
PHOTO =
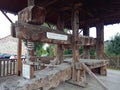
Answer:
(112, 47)
(50, 50)
(38, 47)
(67, 51)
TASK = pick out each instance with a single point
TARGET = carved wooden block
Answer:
(32, 14)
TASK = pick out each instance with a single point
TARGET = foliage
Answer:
(92, 52)
(81, 50)
(40, 52)
(38, 47)
(67, 51)
(112, 47)
(50, 50)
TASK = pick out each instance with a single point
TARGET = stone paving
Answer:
(112, 81)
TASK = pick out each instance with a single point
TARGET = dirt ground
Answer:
(112, 81)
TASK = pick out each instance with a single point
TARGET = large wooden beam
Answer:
(43, 34)
(75, 28)
(100, 40)
(38, 33)
(60, 26)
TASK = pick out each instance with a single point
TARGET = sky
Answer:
(5, 24)
(109, 30)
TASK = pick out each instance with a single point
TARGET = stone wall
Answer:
(8, 45)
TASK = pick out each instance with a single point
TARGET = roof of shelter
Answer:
(91, 11)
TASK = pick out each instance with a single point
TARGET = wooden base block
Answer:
(103, 70)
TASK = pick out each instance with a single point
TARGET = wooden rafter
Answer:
(47, 3)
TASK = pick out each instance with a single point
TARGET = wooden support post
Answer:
(31, 57)
(100, 40)
(19, 62)
(103, 70)
(60, 26)
(30, 48)
(75, 28)
(86, 48)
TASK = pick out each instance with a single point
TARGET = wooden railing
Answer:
(7, 67)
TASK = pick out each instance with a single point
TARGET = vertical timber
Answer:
(60, 26)
(31, 57)
(100, 40)
(19, 61)
(75, 28)
(31, 48)
(86, 51)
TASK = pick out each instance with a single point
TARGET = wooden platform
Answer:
(96, 65)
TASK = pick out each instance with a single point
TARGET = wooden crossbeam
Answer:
(38, 33)
(42, 34)
(46, 3)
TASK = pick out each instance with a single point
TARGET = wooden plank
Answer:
(32, 14)
(94, 76)
(4, 68)
(7, 67)
(11, 68)
(0, 67)
(19, 62)
(14, 68)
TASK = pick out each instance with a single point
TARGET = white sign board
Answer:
(26, 71)
(56, 36)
